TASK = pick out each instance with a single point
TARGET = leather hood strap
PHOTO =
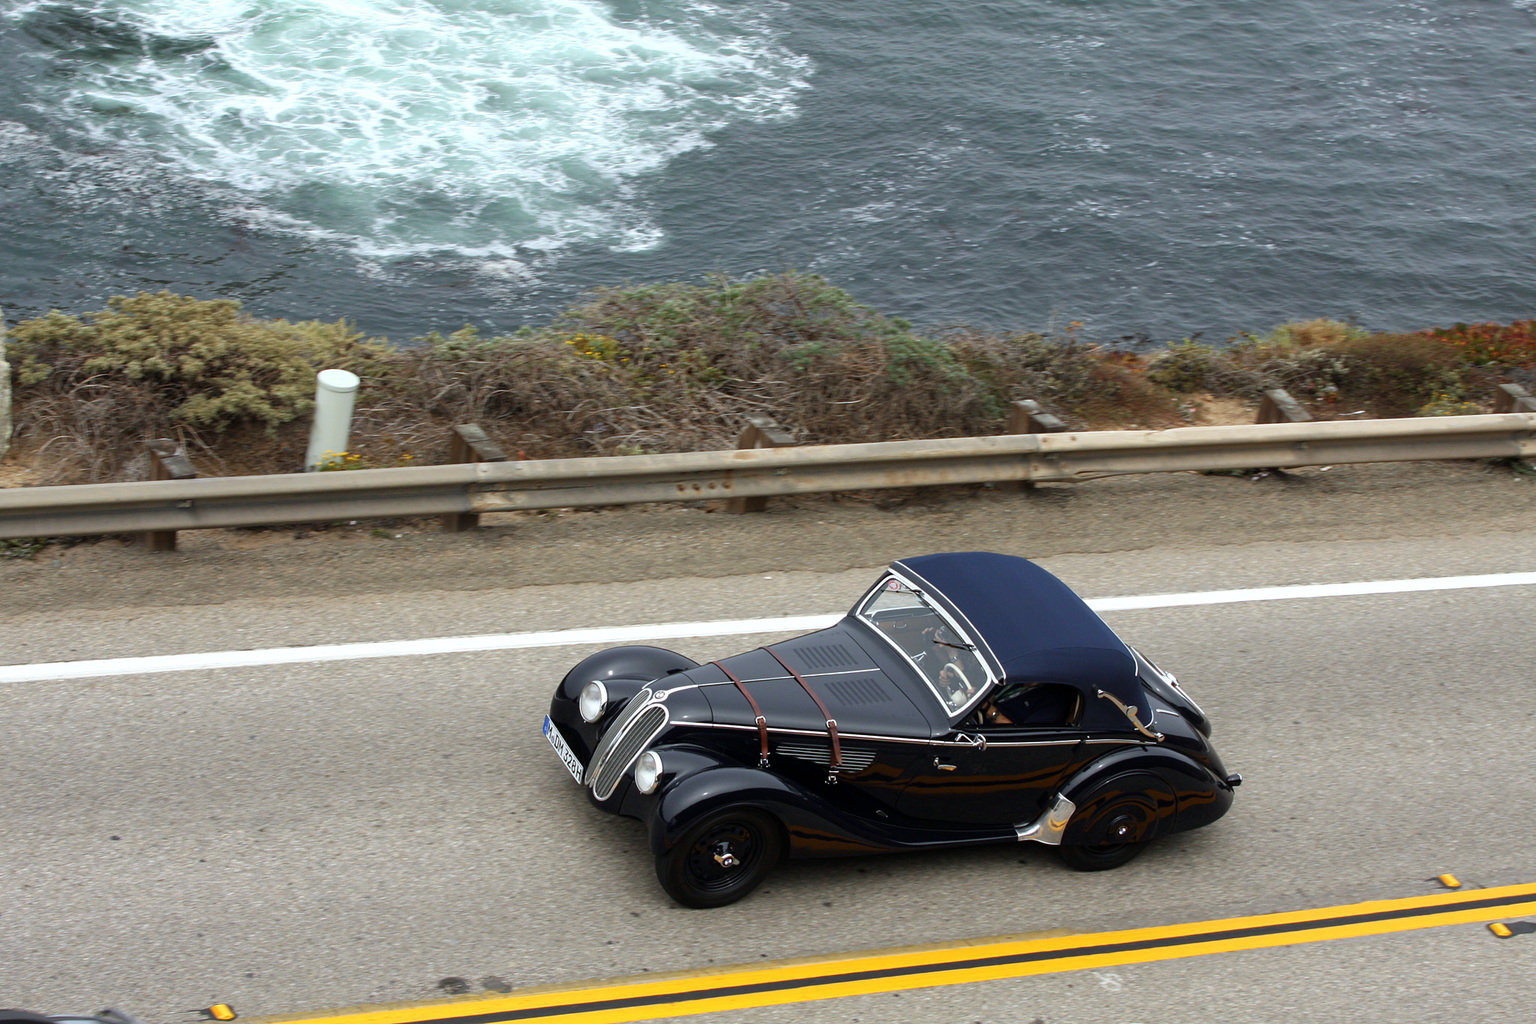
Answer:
(837, 750)
(762, 723)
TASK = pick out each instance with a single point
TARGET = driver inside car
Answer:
(1030, 704)
(956, 686)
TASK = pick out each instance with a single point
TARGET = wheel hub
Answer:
(724, 856)
(1122, 828)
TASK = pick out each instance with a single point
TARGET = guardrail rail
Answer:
(481, 487)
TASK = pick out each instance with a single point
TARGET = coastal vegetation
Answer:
(675, 367)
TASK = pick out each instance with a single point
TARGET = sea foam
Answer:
(400, 127)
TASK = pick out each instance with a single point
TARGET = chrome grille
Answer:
(637, 734)
(855, 759)
(631, 709)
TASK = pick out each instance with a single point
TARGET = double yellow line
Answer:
(955, 964)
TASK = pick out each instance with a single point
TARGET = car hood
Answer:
(857, 693)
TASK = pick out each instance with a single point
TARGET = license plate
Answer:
(563, 750)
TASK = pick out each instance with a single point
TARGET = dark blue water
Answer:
(1148, 168)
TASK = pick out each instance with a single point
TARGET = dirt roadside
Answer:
(820, 534)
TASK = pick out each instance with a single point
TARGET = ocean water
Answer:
(1149, 168)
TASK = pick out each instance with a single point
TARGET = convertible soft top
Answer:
(1039, 630)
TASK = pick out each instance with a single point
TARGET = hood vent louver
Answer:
(826, 657)
(851, 692)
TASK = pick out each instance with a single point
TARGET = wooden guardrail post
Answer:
(469, 443)
(760, 432)
(1279, 407)
(167, 461)
(1513, 398)
(1027, 416)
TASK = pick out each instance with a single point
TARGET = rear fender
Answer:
(1162, 792)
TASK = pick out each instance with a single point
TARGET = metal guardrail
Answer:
(763, 472)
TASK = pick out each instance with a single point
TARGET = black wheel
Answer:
(1098, 858)
(722, 858)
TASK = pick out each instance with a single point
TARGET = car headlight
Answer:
(593, 699)
(648, 772)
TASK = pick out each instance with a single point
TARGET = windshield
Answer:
(944, 657)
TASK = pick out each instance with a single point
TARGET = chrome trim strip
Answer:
(773, 729)
(1021, 743)
(822, 733)
(1050, 826)
(809, 675)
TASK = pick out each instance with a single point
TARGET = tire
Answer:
(1099, 858)
(692, 873)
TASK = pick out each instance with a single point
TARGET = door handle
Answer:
(943, 767)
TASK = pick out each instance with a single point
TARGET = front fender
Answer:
(625, 671)
(812, 826)
(623, 663)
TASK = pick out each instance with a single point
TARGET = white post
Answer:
(5, 393)
(335, 394)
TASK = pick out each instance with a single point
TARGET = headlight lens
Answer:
(594, 698)
(648, 772)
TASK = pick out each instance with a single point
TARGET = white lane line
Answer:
(405, 648)
(1503, 579)
(45, 671)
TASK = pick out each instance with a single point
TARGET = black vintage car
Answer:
(967, 698)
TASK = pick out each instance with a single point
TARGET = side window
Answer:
(1033, 705)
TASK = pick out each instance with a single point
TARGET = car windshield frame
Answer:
(862, 612)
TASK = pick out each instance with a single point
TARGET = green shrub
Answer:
(23, 547)
(1183, 367)
(1447, 404)
(1311, 334)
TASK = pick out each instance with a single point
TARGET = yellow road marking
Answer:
(650, 998)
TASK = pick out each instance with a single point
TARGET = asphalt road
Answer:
(320, 836)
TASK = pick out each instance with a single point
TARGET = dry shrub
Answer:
(1326, 361)
(89, 390)
(1396, 374)
(547, 399)
(675, 367)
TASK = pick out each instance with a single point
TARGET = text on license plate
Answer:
(563, 749)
